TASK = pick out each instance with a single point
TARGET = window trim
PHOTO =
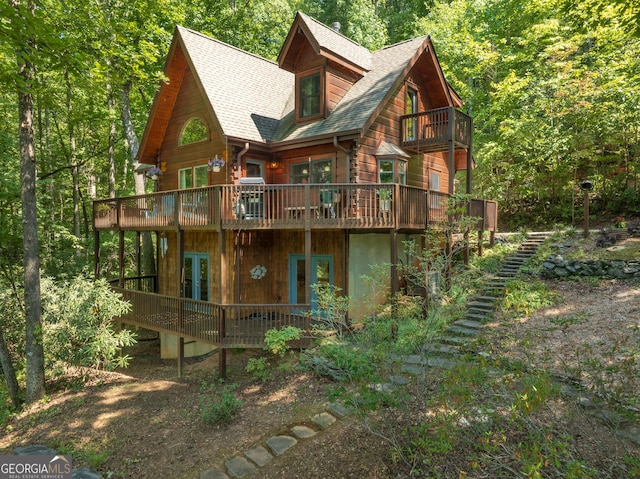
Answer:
(396, 177)
(327, 175)
(192, 169)
(321, 94)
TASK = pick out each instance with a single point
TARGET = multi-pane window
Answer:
(193, 177)
(392, 171)
(316, 171)
(309, 96)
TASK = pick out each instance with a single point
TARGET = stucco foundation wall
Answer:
(366, 250)
(169, 347)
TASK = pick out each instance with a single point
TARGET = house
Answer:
(325, 162)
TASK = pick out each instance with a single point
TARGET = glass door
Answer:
(196, 276)
(321, 273)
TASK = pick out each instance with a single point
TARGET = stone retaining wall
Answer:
(558, 267)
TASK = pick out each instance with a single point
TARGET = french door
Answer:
(321, 273)
(196, 276)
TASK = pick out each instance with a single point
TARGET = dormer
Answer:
(325, 63)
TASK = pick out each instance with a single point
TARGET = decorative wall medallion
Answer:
(258, 272)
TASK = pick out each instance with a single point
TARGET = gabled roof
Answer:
(247, 92)
(327, 43)
(356, 110)
(253, 100)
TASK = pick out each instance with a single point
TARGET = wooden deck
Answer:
(326, 206)
(227, 326)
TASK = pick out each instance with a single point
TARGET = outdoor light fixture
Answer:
(586, 185)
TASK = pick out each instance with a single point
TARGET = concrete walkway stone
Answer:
(239, 467)
(303, 432)
(213, 474)
(324, 419)
(280, 444)
(259, 455)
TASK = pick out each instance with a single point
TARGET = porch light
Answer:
(274, 164)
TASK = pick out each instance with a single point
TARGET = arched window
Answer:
(194, 130)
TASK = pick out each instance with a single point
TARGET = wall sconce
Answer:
(274, 164)
(163, 166)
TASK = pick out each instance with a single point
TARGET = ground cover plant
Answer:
(503, 413)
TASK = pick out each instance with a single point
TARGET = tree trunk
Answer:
(35, 389)
(148, 253)
(112, 143)
(9, 372)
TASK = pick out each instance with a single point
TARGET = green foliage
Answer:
(259, 368)
(277, 340)
(331, 308)
(77, 318)
(218, 403)
(524, 297)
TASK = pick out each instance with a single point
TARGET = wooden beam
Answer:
(180, 355)
(96, 253)
(121, 257)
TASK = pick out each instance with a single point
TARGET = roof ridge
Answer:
(421, 38)
(307, 17)
(208, 37)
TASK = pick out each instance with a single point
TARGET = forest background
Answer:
(553, 87)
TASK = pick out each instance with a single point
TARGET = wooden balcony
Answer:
(432, 130)
(317, 206)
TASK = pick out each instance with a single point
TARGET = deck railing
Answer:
(431, 130)
(229, 325)
(316, 206)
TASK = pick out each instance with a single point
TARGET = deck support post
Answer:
(480, 241)
(96, 253)
(452, 174)
(222, 352)
(180, 355)
(121, 257)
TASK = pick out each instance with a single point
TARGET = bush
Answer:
(218, 405)
(78, 329)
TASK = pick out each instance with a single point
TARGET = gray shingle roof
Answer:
(253, 98)
(334, 42)
(360, 102)
(247, 92)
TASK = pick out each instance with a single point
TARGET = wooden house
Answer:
(333, 156)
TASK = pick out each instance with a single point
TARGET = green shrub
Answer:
(218, 404)
(78, 329)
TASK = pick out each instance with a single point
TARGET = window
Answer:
(194, 130)
(255, 169)
(410, 108)
(392, 171)
(309, 96)
(434, 185)
(193, 177)
(316, 171)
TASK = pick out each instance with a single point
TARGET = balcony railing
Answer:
(317, 206)
(432, 130)
(230, 325)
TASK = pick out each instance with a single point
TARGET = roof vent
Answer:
(336, 27)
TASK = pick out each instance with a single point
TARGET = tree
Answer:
(24, 21)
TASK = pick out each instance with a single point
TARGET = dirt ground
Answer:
(144, 422)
